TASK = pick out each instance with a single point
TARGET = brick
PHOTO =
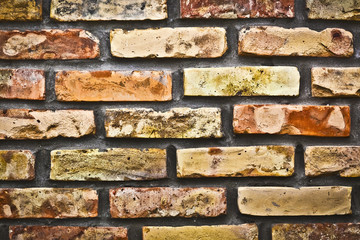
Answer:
(334, 10)
(30, 10)
(48, 203)
(237, 9)
(228, 232)
(175, 123)
(186, 42)
(320, 121)
(45, 124)
(324, 160)
(242, 81)
(286, 201)
(236, 161)
(67, 233)
(277, 41)
(22, 84)
(48, 44)
(167, 202)
(341, 231)
(117, 164)
(335, 82)
(85, 10)
(113, 86)
(17, 165)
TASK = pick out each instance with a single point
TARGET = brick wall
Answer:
(246, 128)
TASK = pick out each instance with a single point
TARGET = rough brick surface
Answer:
(324, 160)
(278, 41)
(117, 164)
(15, 10)
(236, 161)
(17, 165)
(188, 42)
(48, 203)
(237, 9)
(22, 84)
(321, 121)
(113, 86)
(335, 10)
(167, 202)
(48, 44)
(175, 123)
(67, 233)
(228, 232)
(285, 201)
(242, 81)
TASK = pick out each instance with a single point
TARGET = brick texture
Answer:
(30, 10)
(333, 10)
(17, 165)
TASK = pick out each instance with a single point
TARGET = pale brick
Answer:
(242, 81)
(29, 10)
(17, 165)
(286, 201)
(278, 41)
(186, 42)
(334, 9)
(167, 202)
(175, 123)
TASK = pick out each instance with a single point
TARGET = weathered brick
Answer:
(313, 231)
(322, 160)
(22, 84)
(17, 165)
(113, 86)
(228, 232)
(286, 201)
(176, 123)
(335, 10)
(335, 82)
(242, 81)
(67, 233)
(48, 203)
(278, 41)
(29, 10)
(118, 164)
(236, 161)
(48, 44)
(321, 121)
(186, 42)
(85, 10)
(237, 9)
(167, 202)
(45, 124)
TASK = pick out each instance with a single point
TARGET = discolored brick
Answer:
(113, 86)
(167, 202)
(116, 164)
(17, 165)
(20, 10)
(320, 121)
(334, 10)
(286, 201)
(48, 203)
(236, 161)
(278, 41)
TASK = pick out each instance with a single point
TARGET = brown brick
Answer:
(17, 165)
(324, 160)
(22, 84)
(29, 10)
(167, 202)
(185, 42)
(335, 82)
(48, 44)
(334, 10)
(113, 86)
(278, 41)
(45, 124)
(228, 232)
(176, 123)
(236, 161)
(316, 231)
(286, 201)
(321, 121)
(117, 164)
(237, 9)
(48, 203)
